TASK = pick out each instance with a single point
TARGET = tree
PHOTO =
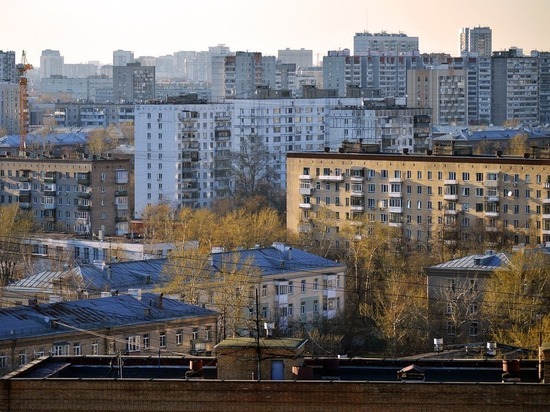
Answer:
(127, 131)
(515, 295)
(253, 173)
(518, 145)
(15, 224)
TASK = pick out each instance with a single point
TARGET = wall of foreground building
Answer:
(172, 395)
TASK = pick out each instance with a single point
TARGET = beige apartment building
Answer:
(506, 198)
(76, 196)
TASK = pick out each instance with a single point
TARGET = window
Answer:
(316, 284)
(451, 330)
(290, 287)
(465, 176)
(315, 306)
(195, 334)
(133, 344)
(60, 349)
(303, 286)
(208, 333)
(179, 337)
(290, 309)
(146, 341)
(474, 329)
(162, 340)
(22, 357)
(77, 349)
(302, 308)
(264, 290)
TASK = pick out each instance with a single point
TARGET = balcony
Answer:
(395, 224)
(450, 196)
(331, 178)
(396, 180)
(357, 193)
(395, 209)
(329, 293)
(85, 208)
(50, 192)
(305, 205)
(491, 229)
(450, 182)
(121, 180)
(49, 206)
(304, 177)
(25, 205)
(546, 231)
(121, 206)
(83, 181)
(50, 177)
(491, 213)
(396, 194)
(281, 299)
(119, 219)
(451, 212)
(491, 183)
(84, 195)
(306, 191)
(356, 178)
(357, 208)
(492, 199)
(546, 201)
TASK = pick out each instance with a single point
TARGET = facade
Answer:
(7, 67)
(77, 196)
(133, 83)
(149, 324)
(432, 196)
(455, 296)
(442, 89)
(84, 89)
(515, 88)
(187, 147)
(294, 287)
(363, 43)
(476, 40)
(544, 87)
(89, 114)
(51, 63)
(9, 107)
(341, 70)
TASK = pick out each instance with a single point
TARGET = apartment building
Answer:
(142, 324)
(51, 63)
(476, 40)
(87, 89)
(515, 89)
(76, 196)
(508, 198)
(365, 42)
(133, 83)
(77, 114)
(294, 285)
(183, 151)
(7, 67)
(455, 296)
(9, 107)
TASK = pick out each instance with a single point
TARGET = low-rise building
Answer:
(455, 296)
(149, 324)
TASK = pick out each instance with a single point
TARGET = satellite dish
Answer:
(510, 193)
(46, 319)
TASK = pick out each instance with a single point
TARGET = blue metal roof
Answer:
(95, 279)
(485, 262)
(50, 139)
(27, 321)
(274, 261)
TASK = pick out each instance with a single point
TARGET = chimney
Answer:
(109, 274)
(160, 300)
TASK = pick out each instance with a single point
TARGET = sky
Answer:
(91, 30)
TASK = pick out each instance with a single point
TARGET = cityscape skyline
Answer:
(93, 34)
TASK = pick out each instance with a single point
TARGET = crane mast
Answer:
(22, 69)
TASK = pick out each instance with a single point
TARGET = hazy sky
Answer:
(92, 30)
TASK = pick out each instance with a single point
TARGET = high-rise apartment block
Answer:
(447, 197)
(366, 42)
(122, 57)
(133, 83)
(7, 67)
(51, 63)
(515, 88)
(77, 196)
(476, 40)
(184, 151)
(9, 107)
(299, 57)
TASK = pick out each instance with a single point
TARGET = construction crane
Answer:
(22, 69)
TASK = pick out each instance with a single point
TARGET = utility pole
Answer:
(258, 348)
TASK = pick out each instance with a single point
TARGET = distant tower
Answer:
(477, 40)
(122, 57)
(51, 63)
